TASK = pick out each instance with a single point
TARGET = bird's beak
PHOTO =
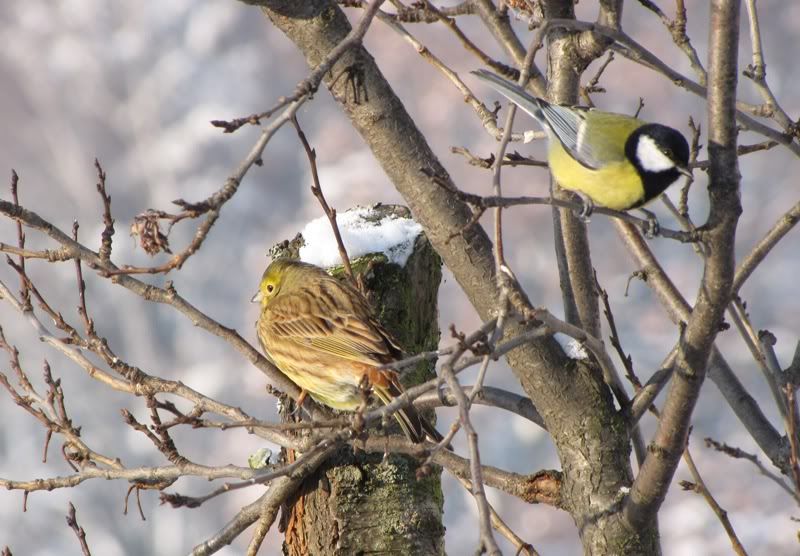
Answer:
(685, 171)
(256, 298)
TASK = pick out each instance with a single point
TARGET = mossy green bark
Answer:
(361, 503)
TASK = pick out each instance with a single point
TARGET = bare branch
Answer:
(25, 295)
(316, 189)
(266, 507)
(153, 241)
(144, 383)
(488, 118)
(650, 486)
(757, 72)
(677, 29)
(738, 453)
(719, 371)
(699, 486)
(108, 222)
(157, 475)
(72, 521)
(167, 296)
(498, 523)
(782, 227)
(487, 540)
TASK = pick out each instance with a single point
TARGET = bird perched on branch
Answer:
(612, 160)
(322, 334)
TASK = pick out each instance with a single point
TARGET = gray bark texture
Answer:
(360, 503)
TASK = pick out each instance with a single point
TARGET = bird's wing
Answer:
(595, 147)
(512, 92)
(568, 125)
(327, 327)
(563, 124)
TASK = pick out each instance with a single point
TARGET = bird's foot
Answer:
(652, 228)
(587, 207)
(298, 405)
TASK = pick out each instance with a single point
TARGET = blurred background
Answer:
(136, 84)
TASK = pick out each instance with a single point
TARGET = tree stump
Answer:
(359, 503)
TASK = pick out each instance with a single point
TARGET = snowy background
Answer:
(135, 85)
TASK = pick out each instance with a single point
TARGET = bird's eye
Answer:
(270, 287)
(667, 153)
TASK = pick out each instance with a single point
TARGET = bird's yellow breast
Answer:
(616, 185)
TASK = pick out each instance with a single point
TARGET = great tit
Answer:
(611, 160)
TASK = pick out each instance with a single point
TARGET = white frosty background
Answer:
(135, 84)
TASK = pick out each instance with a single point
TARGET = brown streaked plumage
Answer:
(322, 334)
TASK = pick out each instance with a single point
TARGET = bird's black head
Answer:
(660, 155)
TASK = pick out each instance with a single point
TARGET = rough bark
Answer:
(359, 503)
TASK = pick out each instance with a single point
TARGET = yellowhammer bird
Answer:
(322, 334)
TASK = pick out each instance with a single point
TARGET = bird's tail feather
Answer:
(414, 425)
(513, 92)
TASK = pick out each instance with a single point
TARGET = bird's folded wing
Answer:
(337, 334)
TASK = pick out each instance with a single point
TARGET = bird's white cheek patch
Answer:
(650, 156)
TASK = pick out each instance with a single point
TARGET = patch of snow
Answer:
(572, 347)
(362, 234)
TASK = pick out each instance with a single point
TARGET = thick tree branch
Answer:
(651, 484)
(678, 310)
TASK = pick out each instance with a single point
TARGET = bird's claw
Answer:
(587, 208)
(298, 405)
(652, 228)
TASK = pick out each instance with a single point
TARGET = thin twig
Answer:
(738, 453)
(487, 540)
(767, 145)
(511, 159)
(316, 189)
(72, 521)
(82, 311)
(423, 14)
(592, 86)
(108, 222)
(699, 486)
(49, 255)
(480, 204)
(25, 294)
(468, 45)
(146, 225)
(310, 84)
(782, 227)
(627, 362)
(757, 72)
(488, 118)
(163, 474)
(643, 400)
(500, 525)
(792, 422)
(677, 29)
